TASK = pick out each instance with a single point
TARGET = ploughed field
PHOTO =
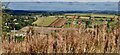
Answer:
(58, 22)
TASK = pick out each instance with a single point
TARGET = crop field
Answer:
(96, 15)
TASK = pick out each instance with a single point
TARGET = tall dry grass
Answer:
(97, 40)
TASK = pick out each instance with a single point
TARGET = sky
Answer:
(60, 0)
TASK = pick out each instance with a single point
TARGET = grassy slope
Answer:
(45, 21)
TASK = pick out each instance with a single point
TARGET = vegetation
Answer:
(44, 21)
(10, 22)
(97, 40)
(94, 34)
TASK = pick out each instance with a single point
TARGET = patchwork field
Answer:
(66, 20)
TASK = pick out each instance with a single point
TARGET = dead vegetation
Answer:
(98, 40)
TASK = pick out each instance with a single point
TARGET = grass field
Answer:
(45, 21)
(0, 24)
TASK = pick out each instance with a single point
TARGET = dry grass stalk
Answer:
(66, 41)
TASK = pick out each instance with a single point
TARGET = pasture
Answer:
(44, 21)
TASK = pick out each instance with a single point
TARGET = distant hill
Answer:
(59, 12)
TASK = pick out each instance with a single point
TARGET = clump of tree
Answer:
(11, 22)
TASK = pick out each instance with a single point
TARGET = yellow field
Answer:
(95, 15)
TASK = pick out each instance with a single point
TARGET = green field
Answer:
(45, 21)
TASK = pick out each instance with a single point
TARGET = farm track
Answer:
(59, 22)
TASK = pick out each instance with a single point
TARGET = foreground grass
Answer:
(97, 40)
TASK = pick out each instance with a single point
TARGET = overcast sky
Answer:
(60, 0)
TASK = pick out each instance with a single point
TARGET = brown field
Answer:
(58, 22)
